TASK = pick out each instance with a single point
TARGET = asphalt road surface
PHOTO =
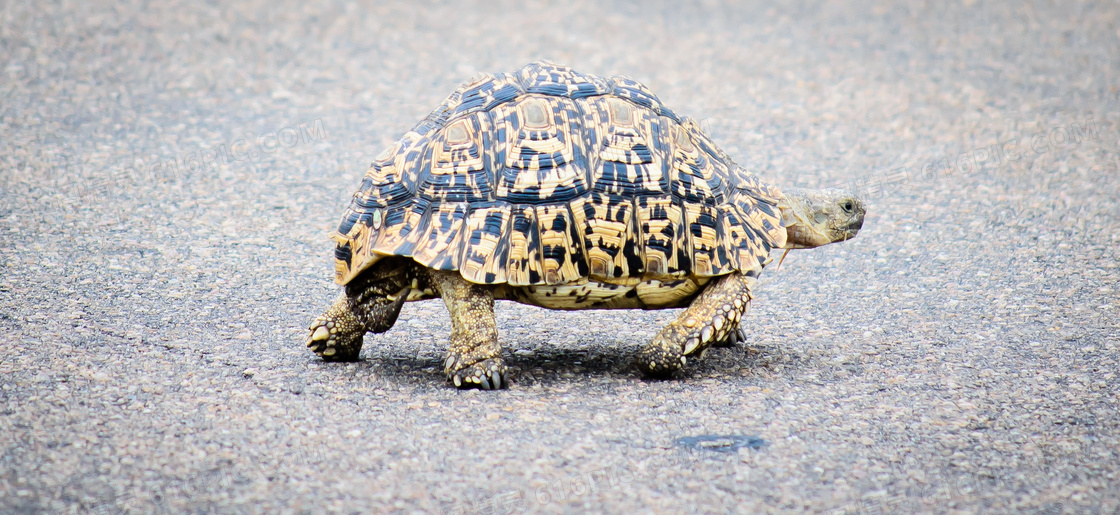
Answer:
(170, 173)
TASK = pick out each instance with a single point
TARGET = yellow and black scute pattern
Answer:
(547, 176)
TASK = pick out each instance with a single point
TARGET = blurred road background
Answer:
(169, 173)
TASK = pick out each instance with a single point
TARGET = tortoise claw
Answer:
(733, 338)
(488, 374)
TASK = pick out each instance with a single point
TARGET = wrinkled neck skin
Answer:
(805, 220)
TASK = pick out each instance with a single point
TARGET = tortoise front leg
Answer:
(474, 359)
(712, 317)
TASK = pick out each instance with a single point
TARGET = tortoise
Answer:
(567, 191)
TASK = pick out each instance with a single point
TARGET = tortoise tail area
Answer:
(377, 294)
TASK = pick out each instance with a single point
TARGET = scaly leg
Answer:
(474, 359)
(711, 317)
(371, 302)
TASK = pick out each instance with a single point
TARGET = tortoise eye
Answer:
(847, 206)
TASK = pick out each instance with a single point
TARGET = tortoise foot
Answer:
(660, 361)
(712, 317)
(488, 374)
(336, 335)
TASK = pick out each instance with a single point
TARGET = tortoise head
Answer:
(819, 217)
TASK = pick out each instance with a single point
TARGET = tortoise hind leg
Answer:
(336, 335)
(712, 317)
(474, 359)
(371, 303)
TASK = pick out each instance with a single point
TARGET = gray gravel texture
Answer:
(170, 173)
